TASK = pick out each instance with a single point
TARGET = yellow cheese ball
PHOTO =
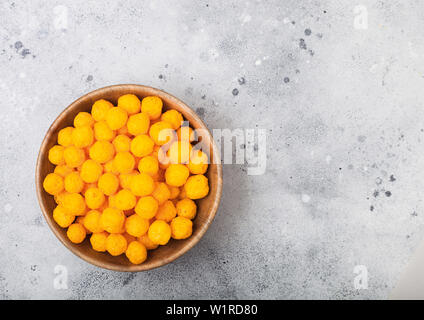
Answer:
(91, 171)
(94, 198)
(179, 152)
(103, 132)
(121, 143)
(62, 217)
(142, 185)
(62, 170)
(83, 119)
(152, 106)
(102, 151)
(176, 175)
(166, 211)
(112, 220)
(173, 117)
(73, 182)
(186, 208)
(76, 233)
(74, 157)
(116, 118)
(138, 124)
(136, 252)
(198, 162)
(64, 137)
(161, 192)
(130, 103)
(74, 203)
(175, 191)
(146, 207)
(56, 155)
(100, 108)
(108, 184)
(197, 187)
(124, 162)
(145, 240)
(181, 228)
(125, 200)
(149, 165)
(185, 134)
(116, 244)
(161, 132)
(142, 145)
(92, 221)
(136, 226)
(82, 137)
(159, 232)
(98, 241)
(53, 184)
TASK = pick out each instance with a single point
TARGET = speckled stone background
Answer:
(343, 110)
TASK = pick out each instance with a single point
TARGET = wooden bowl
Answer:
(206, 207)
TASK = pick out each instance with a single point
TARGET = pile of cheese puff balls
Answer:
(114, 179)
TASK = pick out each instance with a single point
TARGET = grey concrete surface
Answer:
(343, 110)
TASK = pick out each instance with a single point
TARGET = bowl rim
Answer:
(141, 267)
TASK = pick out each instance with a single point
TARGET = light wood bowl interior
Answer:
(206, 207)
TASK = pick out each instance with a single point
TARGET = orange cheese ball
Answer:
(146, 207)
(138, 124)
(179, 152)
(116, 118)
(161, 192)
(56, 155)
(108, 184)
(101, 151)
(83, 119)
(112, 220)
(173, 117)
(74, 203)
(136, 226)
(198, 162)
(124, 162)
(91, 171)
(64, 137)
(130, 103)
(161, 132)
(176, 175)
(145, 240)
(103, 132)
(124, 130)
(175, 191)
(136, 252)
(181, 228)
(116, 244)
(94, 198)
(100, 108)
(148, 165)
(166, 211)
(73, 182)
(125, 179)
(76, 233)
(92, 221)
(88, 186)
(125, 200)
(142, 145)
(159, 232)
(185, 134)
(121, 143)
(98, 241)
(53, 184)
(186, 208)
(82, 136)
(58, 198)
(142, 185)
(197, 187)
(62, 217)
(62, 170)
(108, 167)
(74, 157)
(152, 106)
